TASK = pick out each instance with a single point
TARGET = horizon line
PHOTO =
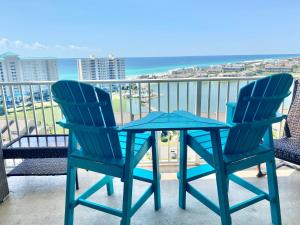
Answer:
(264, 54)
(166, 56)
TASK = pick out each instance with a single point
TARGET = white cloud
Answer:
(38, 45)
(59, 47)
(18, 44)
(4, 42)
(75, 47)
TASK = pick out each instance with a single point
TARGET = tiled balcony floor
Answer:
(40, 201)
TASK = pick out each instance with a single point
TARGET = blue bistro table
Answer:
(178, 120)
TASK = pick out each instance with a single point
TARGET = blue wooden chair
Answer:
(239, 147)
(97, 144)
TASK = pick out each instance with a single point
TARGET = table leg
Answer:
(183, 169)
(156, 174)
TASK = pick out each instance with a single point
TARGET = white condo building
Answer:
(16, 69)
(101, 68)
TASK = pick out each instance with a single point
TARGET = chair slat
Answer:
(270, 91)
(107, 110)
(62, 91)
(95, 111)
(78, 96)
(267, 109)
(283, 86)
(88, 112)
(243, 104)
(258, 91)
(256, 107)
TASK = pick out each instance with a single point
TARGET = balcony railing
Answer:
(28, 107)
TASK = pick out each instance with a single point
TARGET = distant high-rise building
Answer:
(101, 68)
(16, 69)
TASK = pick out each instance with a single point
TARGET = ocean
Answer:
(153, 65)
(136, 66)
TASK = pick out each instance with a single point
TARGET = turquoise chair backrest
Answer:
(255, 112)
(89, 115)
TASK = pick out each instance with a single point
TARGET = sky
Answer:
(134, 28)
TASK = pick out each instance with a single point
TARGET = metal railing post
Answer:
(198, 98)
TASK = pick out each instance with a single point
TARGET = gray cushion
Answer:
(288, 149)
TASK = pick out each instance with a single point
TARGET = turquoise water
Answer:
(168, 98)
(151, 65)
(67, 69)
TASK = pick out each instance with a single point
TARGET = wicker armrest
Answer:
(287, 131)
(3, 179)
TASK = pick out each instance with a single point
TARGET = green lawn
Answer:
(48, 113)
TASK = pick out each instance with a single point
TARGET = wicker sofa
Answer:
(287, 148)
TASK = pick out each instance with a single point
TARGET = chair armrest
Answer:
(287, 132)
(230, 112)
(268, 136)
(67, 125)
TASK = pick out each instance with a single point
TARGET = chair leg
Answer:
(128, 179)
(222, 178)
(273, 192)
(110, 186)
(260, 173)
(227, 184)
(183, 169)
(156, 174)
(127, 199)
(222, 186)
(70, 195)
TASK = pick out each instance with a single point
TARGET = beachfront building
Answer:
(16, 69)
(278, 69)
(214, 69)
(39, 69)
(233, 67)
(109, 68)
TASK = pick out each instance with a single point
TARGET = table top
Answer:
(177, 120)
